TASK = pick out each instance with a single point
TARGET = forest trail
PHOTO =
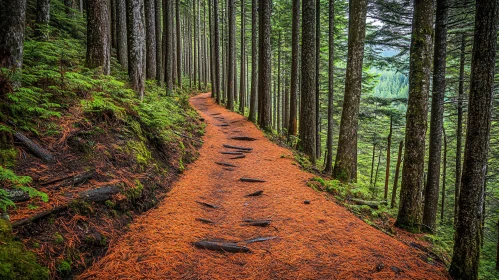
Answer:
(320, 240)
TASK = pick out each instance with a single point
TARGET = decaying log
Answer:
(205, 221)
(237, 147)
(252, 180)
(100, 194)
(238, 157)
(259, 239)
(243, 151)
(225, 164)
(207, 204)
(231, 153)
(243, 138)
(257, 193)
(39, 216)
(372, 204)
(72, 180)
(17, 195)
(223, 124)
(221, 246)
(256, 223)
(229, 168)
(33, 147)
(215, 114)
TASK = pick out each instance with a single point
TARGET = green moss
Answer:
(64, 267)
(134, 192)
(140, 151)
(58, 238)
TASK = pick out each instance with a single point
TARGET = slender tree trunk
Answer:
(375, 193)
(317, 74)
(112, 7)
(168, 48)
(330, 104)
(444, 178)
(295, 44)
(12, 24)
(372, 165)
(459, 130)
(216, 50)
(397, 172)
(278, 119)
(231, 54)
(195, 26)
(98, 36)
(253, 105)
(212, 56)
(242, 91)
(409, 216)
(121, 34)
(179, 44)
(174, 44)
(159, 47)
(42, 19)
(308, 109)
(264, 68)
(388, 155)
(469, 232)
(205, 48)
(437, 115)
(198, 44)
(150, 21)
(345, 167)
(136, 45)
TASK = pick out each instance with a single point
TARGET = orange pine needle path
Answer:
(320, 240)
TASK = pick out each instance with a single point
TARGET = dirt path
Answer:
(320, 240)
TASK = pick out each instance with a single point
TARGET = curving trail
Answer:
(320, 240)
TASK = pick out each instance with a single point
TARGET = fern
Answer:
(7, 177)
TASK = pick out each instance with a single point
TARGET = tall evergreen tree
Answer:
(121, 33)
(253, 105)
(136, 45)
(264, 67)
(295, 44)
(231, 51)
(150, 24)
(329, 144)
(42, 19)
(98, 36)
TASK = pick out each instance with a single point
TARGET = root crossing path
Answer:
(277, 229)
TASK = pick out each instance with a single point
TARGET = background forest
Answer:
(56, 72)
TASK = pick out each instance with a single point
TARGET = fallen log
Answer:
(257, 193)
(259, 239)
(237, 147)
(207, 204)
(33, 147)
(100, 194)
(231, 153)
(252, 180)
(223, 124)
(229, 168)
(38, 216)
(243, 138)
(372, 204)
(238, 157)
(256, 223)
(72, 180)
(225, 164)
(215, 114)
(205, 221)
(243, 151)
(221, 246)
(17, 195)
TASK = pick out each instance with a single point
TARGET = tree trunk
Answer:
(308, 87)
(375, 193)
(136, 45)
(121, 34)
(437, 115)
(205, 52)
(242, 90)
(98, 36)
(397, 173)
(444, 178)
(295, 44)
(388, 159)
(459, 129)
(150, 22)
(168, 33)
(409, 216)
(254, 60)
(159, 45)
(198, 45)
(174, 43)
(42, 19)
(264, 69)
(317, 73)
(345, 167)
(179, 44)
(216, 50)
(112, 6)
(467, 240)
(231, 54)
(278, 119)
(330, 109)
(372, 165)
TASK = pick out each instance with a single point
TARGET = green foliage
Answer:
(58, 238)
(9, 178)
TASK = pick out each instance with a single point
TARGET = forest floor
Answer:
(314, 237)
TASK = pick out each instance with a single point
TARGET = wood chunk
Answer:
(243, 151)
(17, 195)
(229, 168)
(225, 164)
(205, 221)
(372, 204)
(238, 157)
(256, 223)
(33, 147)
(257, 193)
(39, 216)
(237, 147)
(215, 114)
(221, 246)
(243, 138)
(72, 180)
(207, 204)
(100, 194)
(223, 124)
(252, 180)
(231, 153)
(259, 239)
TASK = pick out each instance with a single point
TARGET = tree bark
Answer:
(150, 22)
(397, 172)
(278, 105)
(345, 167)
(467, 240)
(242, 81)
(444, 178)
(330, 102)
(98, 36)
(317, 73)
(231, 54)
(253, 105)
(42, 19)
(388, 155)
(168, 14)
(264, 69)
(409, 216)
(295, 44)
(136, 45)
(121, 34)
(159, 45)
(179, 44)
(308, 109)
(216, 50)
(437, 115)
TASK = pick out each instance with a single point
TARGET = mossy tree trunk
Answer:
(159, 45)
(42, 19)
(469, 231)
(345, 166)
(12, 24)
(136, 45)
(330, 102)
(231, 51)
(253, 105)
(179, 44)
(98, 36)
(150, 22)
(264, 69)
(295, 45)
(121, 33)
(409, 216)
